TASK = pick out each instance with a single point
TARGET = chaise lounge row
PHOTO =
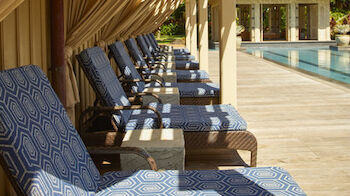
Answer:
(43, 154)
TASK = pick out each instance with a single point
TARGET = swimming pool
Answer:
(321, 61)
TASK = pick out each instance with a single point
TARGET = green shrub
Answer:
(175, 24)
(172, 29)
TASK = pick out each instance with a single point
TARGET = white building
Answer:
(288, 20)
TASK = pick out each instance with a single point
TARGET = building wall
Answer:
(320, 32)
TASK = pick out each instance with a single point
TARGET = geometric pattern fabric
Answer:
(191, 89)
(135, 53)
(46, 156)
(185, 89)
(187, 117)
(157, 53)
(244, 182)
(38, 142)
(180, 64)
(194, 118)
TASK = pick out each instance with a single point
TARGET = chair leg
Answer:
(253, 157)
(237, 140)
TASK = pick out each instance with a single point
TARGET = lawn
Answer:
(169, 39)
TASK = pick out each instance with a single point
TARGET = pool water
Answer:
(322, 61)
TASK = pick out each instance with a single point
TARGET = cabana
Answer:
(50, 33)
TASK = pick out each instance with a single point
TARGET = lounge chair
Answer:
(150, 58)
(158, 53)
(166, 48)
(42, 154)
(153, 68)
(190, 93)
(210, 126)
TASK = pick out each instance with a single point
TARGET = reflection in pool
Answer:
(322, 61)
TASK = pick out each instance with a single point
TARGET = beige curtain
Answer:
(156, 18)
(172, 7)
(149, 17)
(7, 6)
(83, 19)
(141, 17)
(120, 25)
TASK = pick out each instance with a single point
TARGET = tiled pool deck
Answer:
(302, 124)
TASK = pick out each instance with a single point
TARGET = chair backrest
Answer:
(150, 41)
(104, 81)
(126, 65)
(154, 39)
(149, 44)
(135, 52)
(143, 45)
(40, 149)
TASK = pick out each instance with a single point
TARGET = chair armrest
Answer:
(144, 94)
(154, 74)
(124, 150)
(156, 65)
(118, 108)
(157, 57)
(142, 80)
(158, 54)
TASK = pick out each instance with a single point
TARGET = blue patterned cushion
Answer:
(128, 69)
(181, 74)
(156, 53)
(186, 89)
(243, 181)
(152, 42)
(148, 43)
(149, 51)
(192, 89)
(186, 74)
(181, 51)
(181, 64)
(189, 118)
(38, 142)
(106, 85)
(176, 51)
(135, 52)
(126, 66)
(143, 46)
(46, 156)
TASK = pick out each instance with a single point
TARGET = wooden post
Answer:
(188, 26)
(193, 24)
(228, 54)
(203, 35)
(57, 49)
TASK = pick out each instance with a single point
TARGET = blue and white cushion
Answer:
(189, 118)
(156, 53)
(105, 83)
(191, 89)
(37, 140)
(193, 118)
(240, 182)
(186, 89)
(135, 53)
(176, 51)
(180, 63)
(184, 74)
(46, 156)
